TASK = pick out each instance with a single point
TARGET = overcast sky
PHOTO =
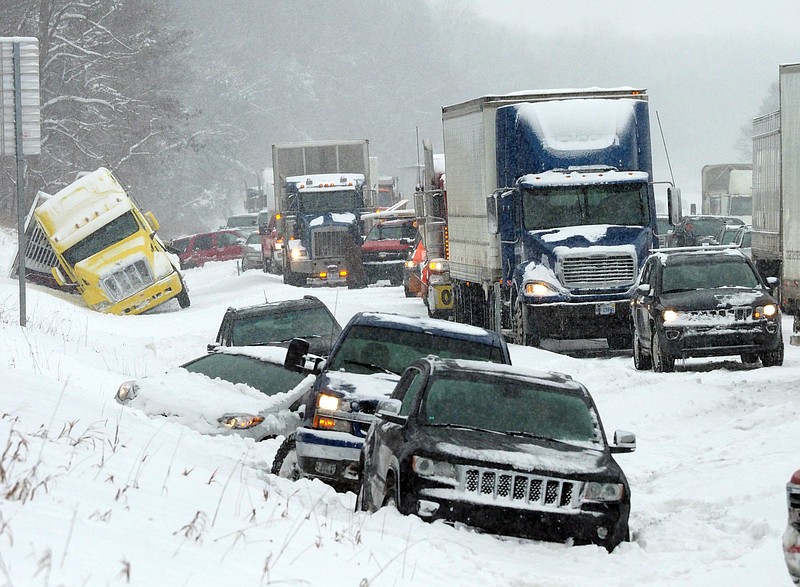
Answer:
(707, 64)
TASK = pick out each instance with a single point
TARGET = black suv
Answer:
(364, 365)
(277, 323)
(703, 302)
(508, 450)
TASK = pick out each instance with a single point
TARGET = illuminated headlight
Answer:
(240, 421)
(539, 289)
(594, 491)
(328, 402)
(126, 392)
(669, 315)
(767, 310)
(438, 266)
(425, 467)
(299, 253)
(410, 264)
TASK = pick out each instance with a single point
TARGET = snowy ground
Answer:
(94, 494)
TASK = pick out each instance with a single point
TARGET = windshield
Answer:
(622, 204)
(254, 239)
(392, 231)
(118, 229)
(371, 349)
(268, 378)
(306, 323)
(708, 274)
(329, 201)
(508, 406)
(663, 226)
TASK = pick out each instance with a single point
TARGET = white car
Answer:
(232, 390)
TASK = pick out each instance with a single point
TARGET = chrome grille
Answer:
(520, 489)
(128, 280)
(327, 243)
(598, 271)
(39, 255)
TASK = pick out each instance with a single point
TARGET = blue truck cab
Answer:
(360, 373)
(566, 178)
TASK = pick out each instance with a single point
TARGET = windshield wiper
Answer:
(373, 366)
(534, 436)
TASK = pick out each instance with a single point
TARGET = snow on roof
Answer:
(579, 175)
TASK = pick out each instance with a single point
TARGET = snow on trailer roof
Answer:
(321, 181)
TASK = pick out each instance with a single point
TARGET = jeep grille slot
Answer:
(519, 489)
(603, 271)
(737, 314)
(128, 280)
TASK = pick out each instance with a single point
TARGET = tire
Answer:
(524, 334)
(285, 462)
(183, 297)
(641, 361)
(662, 363)
(749, 358)
(390, 499)
(773, 358)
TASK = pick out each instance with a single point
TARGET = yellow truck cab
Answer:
(107, 248)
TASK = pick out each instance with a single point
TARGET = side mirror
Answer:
(674, 205)
(772, 281)
(151, 219)
(296, 355)
(643, 289)
(624, 441)
(390, 406)
(393, 418)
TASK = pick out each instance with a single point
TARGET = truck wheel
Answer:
(285, 463)
(773, 358)
(640, 361)
(183, 297)
(661, 362)
(524, 333)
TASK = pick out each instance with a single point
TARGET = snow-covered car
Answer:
(508, 450)
(233, 390)
(364, 365)
(704, 302)
(251, 252)
(791, 537)
(277, 323)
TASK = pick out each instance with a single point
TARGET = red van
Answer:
(198, 249)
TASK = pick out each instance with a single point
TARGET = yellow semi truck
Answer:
(107, 248)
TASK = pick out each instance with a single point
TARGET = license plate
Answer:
(604, 309)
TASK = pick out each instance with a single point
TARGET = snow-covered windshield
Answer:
(268, 378)
(507, 405)
(721, 272)
(278, 327)
(371, 349)
(118, 229)
(569, 205)
(329, 201)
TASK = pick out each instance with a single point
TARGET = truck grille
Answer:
(329, 242)
(519, 490)
(128, 280)
(599, 271)
(39, 255)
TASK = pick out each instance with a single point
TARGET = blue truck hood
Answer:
(543, 247)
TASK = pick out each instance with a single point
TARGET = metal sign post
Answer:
(22, 69)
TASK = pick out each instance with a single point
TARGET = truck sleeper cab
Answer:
(108, 248)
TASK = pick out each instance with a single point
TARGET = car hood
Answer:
(490, 449)
(359, 387)
(716, 299)
(196, 401)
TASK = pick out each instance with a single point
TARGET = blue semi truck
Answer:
(551, 211)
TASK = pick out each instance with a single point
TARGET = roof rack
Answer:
(696, 248)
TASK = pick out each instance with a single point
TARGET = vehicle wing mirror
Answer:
(151, 219)
(643, 289)
(624, 441)
(674, 205)
(393, 418)
(491, 214)
(296, 355)
(390, 406)
(772, 281)
(212, 346)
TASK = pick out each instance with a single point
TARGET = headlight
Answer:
(240, 421)
(425, 467)
(594, 491)
(438, 266)
(410, 264)
(101, 306)
(768, 310)
(669, 315)
(539, 289)
(298, 253)
(126, 392)
(328, 402)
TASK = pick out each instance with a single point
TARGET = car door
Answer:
(202, 249)
(386, 437)
(643, 301)
(228, 246)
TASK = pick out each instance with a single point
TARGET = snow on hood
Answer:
(197, 401)
(521, 453)
(337, 217)
(360, 386)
